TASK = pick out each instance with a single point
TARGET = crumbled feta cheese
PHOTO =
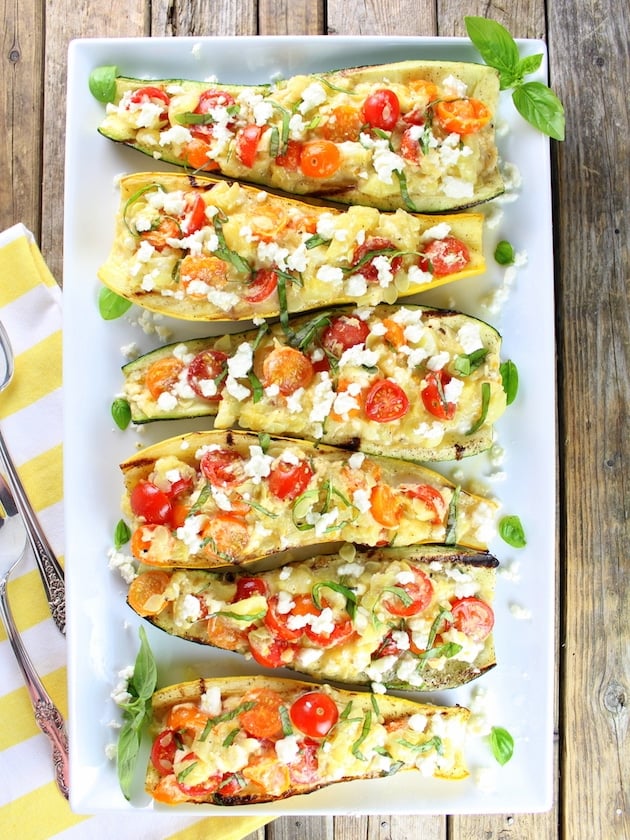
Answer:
(438, 361)
(258, 466)
(210, 701)
(469, 336)
(179, 135)
(519, 612)
(288, 749)
(453, 86)
(312, 96)
(457, 187)
(329, 274)
(123, 564)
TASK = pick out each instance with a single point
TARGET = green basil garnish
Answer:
(509, 380)
(485, 403)
(121, 413)
(349, 595)
(111, 305)
(504, 253)
(122, 534)
(102, 83)
(365, 731)
(212, 722)
(466, 363)
(512, 532)
(501, 744)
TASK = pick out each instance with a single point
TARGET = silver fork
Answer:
(47, 715)
(49, 568)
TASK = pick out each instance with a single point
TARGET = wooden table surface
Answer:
(590, 70)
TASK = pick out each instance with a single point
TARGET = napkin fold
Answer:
(31, 807)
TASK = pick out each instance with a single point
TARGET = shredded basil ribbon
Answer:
(349, 595)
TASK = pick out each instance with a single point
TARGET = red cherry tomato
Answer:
(367, 267)
(194, 215)
(320, 159)
(314, 714)
(208, 102)
(246, 587)
(431, 497)
(278, 623)
(473, 617)
(222, 467)
(303, 770)
(202, 789)
(247, 142)
(207, 365)
(419, 590)
(382, 109)
(288, 481)
(433, 395)
(344, 332)
(263, 284)
(268, 653)
(290, 158)
(445, 256)
(163, 752)
(410, 146)
(341, 632)
(150, 94)
(385, 401)
(150, 503)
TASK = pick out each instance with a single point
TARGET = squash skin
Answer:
(240, 206)
(340, 665)
(464, 525)
(481, 83)
(396, 443)
(452, 720)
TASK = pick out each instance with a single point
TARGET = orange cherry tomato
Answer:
(187, 717)
(263, 720)
(462, 116)
(394, 334)
(266, 772)
(385, 505)
(424, 90)
(210, 271)
(227, 536)
(320, 159)
(140, 543)
(343, 123)
(143, 590)
(195, 154)
(288, 368)
(224, 634)
(166, 229)
(162, 375)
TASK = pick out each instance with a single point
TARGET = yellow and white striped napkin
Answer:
(31, 806)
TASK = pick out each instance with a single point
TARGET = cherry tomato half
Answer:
(288, 481)
(162, 375)
(431, 497)
(263, 284)
(343, 123)
(278, 622)
(150, 94)
(222, 467)
(263, 720)
(268, 652)
(473, 617)
(194, 215)
(209, 101)
(344, 332)
(163, 751)
(290, 158)
(385, 401)
(150, 503)
(419, 590)
(246, 587)
(247, 142)
(320, 159)
(288, 368)
(381, 246)
(207, 365)
(314, 714)
(433, 395)
(382, 109)
(445, 256)
(461, 116)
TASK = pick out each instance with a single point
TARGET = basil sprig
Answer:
(509, 380)
(135, 713)
(501, 744)
(122, 534)
(534, 101)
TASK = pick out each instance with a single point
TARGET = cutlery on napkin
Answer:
(31, 416)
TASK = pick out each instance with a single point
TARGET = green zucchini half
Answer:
(395, 618)
(344, 356)
(330, 135)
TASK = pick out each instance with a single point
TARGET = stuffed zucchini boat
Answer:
(247, 740)
(407, 381)
(417, 135)
(212, 499)
(417, 618)
(202, 249)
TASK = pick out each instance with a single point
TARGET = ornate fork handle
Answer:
(47, 715)
(47, 563)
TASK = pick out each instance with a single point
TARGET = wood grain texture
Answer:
(593, 180)
(21, 101)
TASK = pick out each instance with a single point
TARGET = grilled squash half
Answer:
(247, 740)
(212, 499)
(407, 381)
(416, 618)
(417, 135)
(204, 250)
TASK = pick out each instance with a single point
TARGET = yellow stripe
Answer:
(28, 602)
(17, 712)
(37, 373)
(222, 828)
(32, 269)
(42, 477)
(38, 815)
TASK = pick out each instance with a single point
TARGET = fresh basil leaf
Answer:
(144, 677)
(512, 532)
(504, 253)
(509, 380)
(450, 537)
(126, 755)
(495, 45)
(540, 106)
(466, 363)
(122, 534)
(348, 594)
(111, 305)
(102, 83)
(501, 744)
(121, 412)
(529, 64)
(485, 403)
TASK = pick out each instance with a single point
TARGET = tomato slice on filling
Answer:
(163, 751)
(433, 397)
(222, 467)
(205, 374)
(385, 401)
(473, 617)
(287, 481)
(445, 256)
(415, 596)
(344, 332)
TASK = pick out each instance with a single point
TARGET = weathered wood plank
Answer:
(593, 176)
(400, 17)
(306, 828)
(203, 17)
(80, 19)
(285, 17)
(20, 113)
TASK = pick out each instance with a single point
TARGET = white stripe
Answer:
(33, 316)
(34, 429)
(13, 233)
(46, 647)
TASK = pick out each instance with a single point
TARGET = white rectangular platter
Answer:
(518, 301)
